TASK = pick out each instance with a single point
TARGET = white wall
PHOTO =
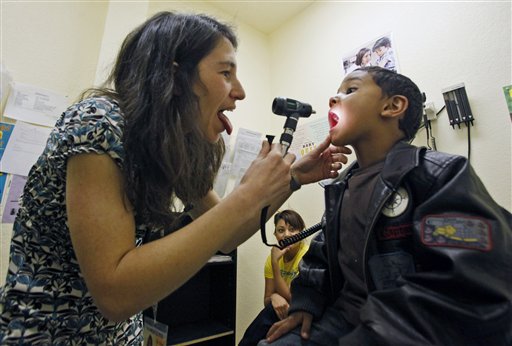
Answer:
(52, 45)
(437, 44)
(131, 14)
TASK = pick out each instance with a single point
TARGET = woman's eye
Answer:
(350, 90)
(226, 74)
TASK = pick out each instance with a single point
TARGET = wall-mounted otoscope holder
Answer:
(457, 105)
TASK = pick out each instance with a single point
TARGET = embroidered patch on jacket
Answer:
(456, 231)
(395, 232)
(397, 203)
(385, 269)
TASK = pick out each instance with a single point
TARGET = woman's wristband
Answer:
(294, 182)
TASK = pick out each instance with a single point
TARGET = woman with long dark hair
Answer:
(115, 169)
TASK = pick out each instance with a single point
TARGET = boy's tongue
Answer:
(333, 119)
(226, 122)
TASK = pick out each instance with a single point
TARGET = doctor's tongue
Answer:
(226, 122)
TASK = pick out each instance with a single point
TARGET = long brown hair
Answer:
(166, 153)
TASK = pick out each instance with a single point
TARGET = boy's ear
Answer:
(395, 106)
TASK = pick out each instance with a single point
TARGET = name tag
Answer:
(155, 333)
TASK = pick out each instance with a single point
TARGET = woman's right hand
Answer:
(268, 176)
(265, 183)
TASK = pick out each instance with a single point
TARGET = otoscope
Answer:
(293, 110)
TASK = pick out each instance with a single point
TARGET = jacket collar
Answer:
(401, 159)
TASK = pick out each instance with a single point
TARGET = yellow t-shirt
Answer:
(289, 270)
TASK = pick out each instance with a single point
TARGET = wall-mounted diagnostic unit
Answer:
(457, 105)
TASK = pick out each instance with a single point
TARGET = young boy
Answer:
(385, 54)
(414, 251)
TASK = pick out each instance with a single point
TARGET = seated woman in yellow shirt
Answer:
(281, 267)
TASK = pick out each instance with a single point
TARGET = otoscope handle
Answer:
(287, 136)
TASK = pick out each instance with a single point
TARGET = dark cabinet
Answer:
(203, 310)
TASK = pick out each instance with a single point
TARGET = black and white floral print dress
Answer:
(45, 300)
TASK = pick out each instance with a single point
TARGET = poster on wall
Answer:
(5, 133)
(308, 135)
(34, 105)
(25, 144)
(378, 52)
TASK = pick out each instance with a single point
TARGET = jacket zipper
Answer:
(374, 220)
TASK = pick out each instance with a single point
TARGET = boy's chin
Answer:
(338, 141)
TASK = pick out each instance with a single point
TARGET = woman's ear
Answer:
(395, 106)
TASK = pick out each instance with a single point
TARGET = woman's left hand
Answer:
(323, 162)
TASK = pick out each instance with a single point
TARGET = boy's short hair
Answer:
(381, 42)
(393, 83)
(290, 217)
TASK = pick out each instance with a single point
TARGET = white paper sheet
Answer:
(34, 105)
(24, 147)
(221, 181)
(247, 147)
(308, 136)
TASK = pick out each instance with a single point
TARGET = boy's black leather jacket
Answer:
(437, 258)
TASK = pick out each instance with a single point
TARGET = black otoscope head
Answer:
(287, 107)
(293, 110)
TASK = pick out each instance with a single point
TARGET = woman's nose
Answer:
(288, 233)
(238, 91)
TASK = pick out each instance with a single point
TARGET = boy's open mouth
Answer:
(333, 119)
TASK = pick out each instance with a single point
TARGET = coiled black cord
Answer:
(299, 236)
